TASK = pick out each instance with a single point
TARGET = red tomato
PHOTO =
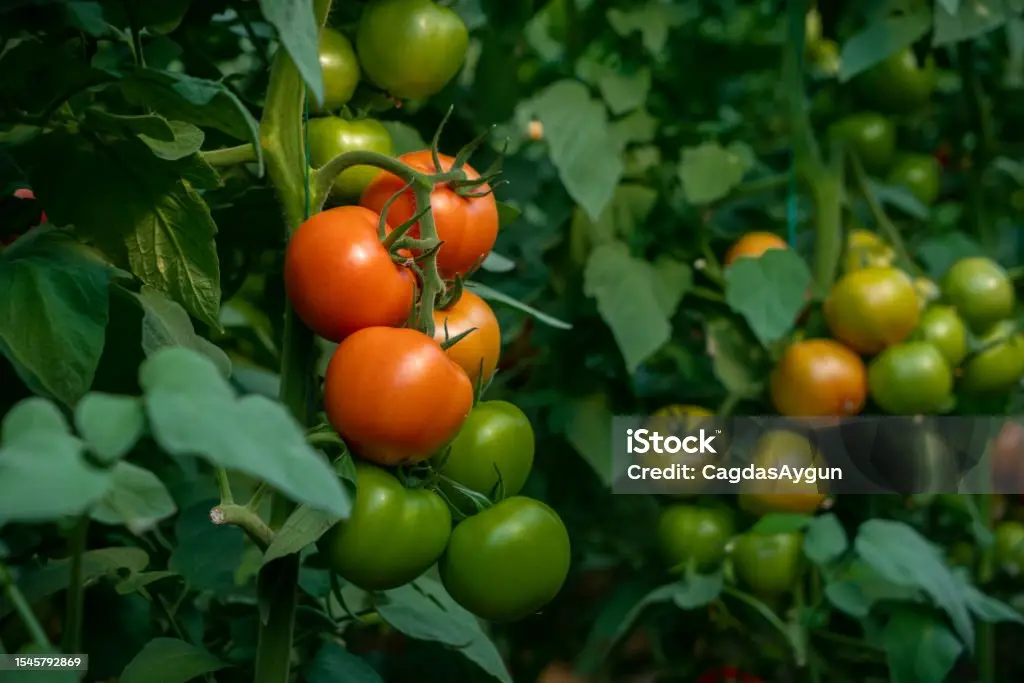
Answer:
(478, 349)
(394, 396)
(727, 674)
(22, 193)
(340, 278)
(468, 226)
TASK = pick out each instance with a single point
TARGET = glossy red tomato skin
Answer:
(394, 396)
(477, 353)
(340, 278)
(468, 226)
(21, 193)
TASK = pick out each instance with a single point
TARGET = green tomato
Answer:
(508, 561)
(981, 292)
(393, 535)
(920, 174)
(330, 136)
(496, 437)
(943, 328)
(871, 136)
(769, 565)
(688, 533)
(411, 48)
(899, 84)
(999, 366)
(911, 378)
(340, 69)
(1009, 547)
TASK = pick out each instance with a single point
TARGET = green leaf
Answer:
(653, 21)
(496, 263)
(424, 611)
(769, 292)
(490, 294)
(672, 280)
(880, 40)
(55, 576)
(298, 32)
(709, 172)
(617, 616)
(638, 127)
(826, 540)
(334, 663)
(507, 214)
(206, 555)
(920, 648)
(697, 590)
(139, 209)
(407, 139)
(110, 425)
(900, 198)
(972, 20)
(622, 92)
(207, 104)
(193, 411)
(781, 523)
(588, 428)
(579, 142)
(626, 299)
(303, 527)
(942, 251)
(849, 598)
(136, 499)
(736, 362)
(53, 314)
(989, 609)
(139, 580)
(151, 125)
(166, 324)
(187, 141)
(43, 474)
(901, 555)
(169, 660)
(39, 75)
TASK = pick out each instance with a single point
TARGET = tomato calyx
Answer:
(428, 475)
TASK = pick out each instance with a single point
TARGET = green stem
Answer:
(257, 497)
(224, 484)
(247, 520)
(881, 218)
(229, 156)
(978, 112)
(76, 589)
(283, 140)
(827, 193)
(23, 609)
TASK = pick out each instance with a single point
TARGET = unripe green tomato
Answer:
(1009, 547)
(980, 291)
(871, 136)
(900, 84)
(919, 174)
(999, 367)
(330, 136)
(393, 535)
(496, 437)
(943, 328)
(340, 68)
(769, 565)
(689, 533)
(911, 378)
(411, 49)
(508, 561)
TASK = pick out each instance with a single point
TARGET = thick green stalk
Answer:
(282, 138)
(76, 589)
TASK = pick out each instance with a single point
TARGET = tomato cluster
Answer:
(409, 49)
(406, 404)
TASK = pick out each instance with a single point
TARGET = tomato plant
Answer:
(999, 365)
(943, 328)
(777, 449)
(519, 544)
(330, 136)
(818, 377)
(919, 174)
(416, 520)
(376, 376)
(900, 84)
(910, 378)
(467, 222)
(753, 244)
(340, 68)
(340, 278)
(869, 135)
(980, 291)
(694, 534)
(872, 308)
(496, 443)
(768, 564)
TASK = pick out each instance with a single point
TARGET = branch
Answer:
(245, 519)
(230, 156)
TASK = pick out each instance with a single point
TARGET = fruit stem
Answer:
(282, 136)
(326, 174)
(892, 234)
(433, 285)
(229, 156)
(23, 609)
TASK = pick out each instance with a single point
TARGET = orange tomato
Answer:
(478, 349)
(394, 396)
(468, 226)
(753, 244)
(819, 378)
(559, 672)
(340, 278)
(872, 308)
